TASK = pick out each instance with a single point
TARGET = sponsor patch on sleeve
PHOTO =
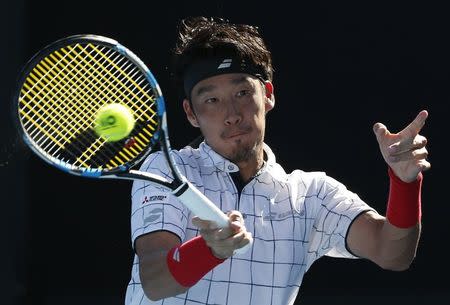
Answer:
(156, 197)
(153, 215)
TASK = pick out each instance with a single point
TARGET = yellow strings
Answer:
(63, 92)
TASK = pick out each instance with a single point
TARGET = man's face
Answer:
(230, 111)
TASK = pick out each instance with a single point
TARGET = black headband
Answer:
(211, 66)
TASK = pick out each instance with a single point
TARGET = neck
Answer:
(249, 168)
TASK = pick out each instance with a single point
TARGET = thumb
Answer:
(380, 131)
(236, 226)
(236, 220)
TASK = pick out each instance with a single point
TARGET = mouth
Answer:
(231, 135)
(236, 135)
(236, 132)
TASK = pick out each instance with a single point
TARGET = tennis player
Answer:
(293, 218)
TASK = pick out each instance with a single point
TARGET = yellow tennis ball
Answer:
(114, 122)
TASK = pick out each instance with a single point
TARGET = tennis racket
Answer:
(60, 91)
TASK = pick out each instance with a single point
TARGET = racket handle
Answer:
(202, 207)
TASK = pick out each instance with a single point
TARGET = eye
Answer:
(210, 100)
(243, 93)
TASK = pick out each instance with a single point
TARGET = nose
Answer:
(233, 114)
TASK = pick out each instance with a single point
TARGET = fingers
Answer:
(232, 243)
(417, 154)
(380, 131)
(236, 220)
(224, 241)
(204, 224)
(415, 126)
(409, 132)
(210, 228)
(423, 165)
(407, 145)
(223, 246)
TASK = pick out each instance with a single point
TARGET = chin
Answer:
(243, 153)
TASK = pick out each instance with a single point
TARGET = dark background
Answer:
(340, 67)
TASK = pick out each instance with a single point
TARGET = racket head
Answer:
(62, 87)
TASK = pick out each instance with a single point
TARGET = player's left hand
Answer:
(404, 152)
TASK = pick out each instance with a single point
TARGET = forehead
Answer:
(218, 81)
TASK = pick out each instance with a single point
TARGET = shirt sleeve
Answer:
(154, 208)
(335, 209)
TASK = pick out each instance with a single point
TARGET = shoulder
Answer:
(308, 177)
(187, 154)
(313, 178)
(308, 180)
(157, 161)
(315, 181)
(297, 176)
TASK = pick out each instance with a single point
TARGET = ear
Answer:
(270, 102)
(190, 113)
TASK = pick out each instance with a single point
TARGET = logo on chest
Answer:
(280, 211)
(278, 215)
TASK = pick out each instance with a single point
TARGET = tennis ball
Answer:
(114, 122)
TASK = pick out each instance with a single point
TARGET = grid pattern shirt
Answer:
(294, 218)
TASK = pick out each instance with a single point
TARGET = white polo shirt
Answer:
(294, 218)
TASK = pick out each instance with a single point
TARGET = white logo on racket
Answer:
(226, 63)
(176, 255)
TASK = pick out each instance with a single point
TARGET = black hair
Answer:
(201, 37)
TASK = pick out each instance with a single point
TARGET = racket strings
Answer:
(114, 80)
(125, 149)
(133, 84)
(65, 90)
(71, 94)
(38, 115)
(52, 99)
(94, 147)
(131, 89)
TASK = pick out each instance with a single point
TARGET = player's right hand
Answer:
(224, 241)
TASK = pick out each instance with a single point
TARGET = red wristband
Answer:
(404, 205)
(190, 261)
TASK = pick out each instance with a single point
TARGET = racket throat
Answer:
(181, 189)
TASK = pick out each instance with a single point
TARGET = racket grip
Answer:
(202, 207)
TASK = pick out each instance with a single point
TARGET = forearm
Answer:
(166, 273)
(401, 229)
(168, 267)
(156, 279)
(391, 241)
(398, 246)
(372, 237)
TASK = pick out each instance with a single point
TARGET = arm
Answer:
(161, 280)
(391, 241)
(157, 281)
(371, 236)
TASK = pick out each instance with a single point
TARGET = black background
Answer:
(339, 68)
